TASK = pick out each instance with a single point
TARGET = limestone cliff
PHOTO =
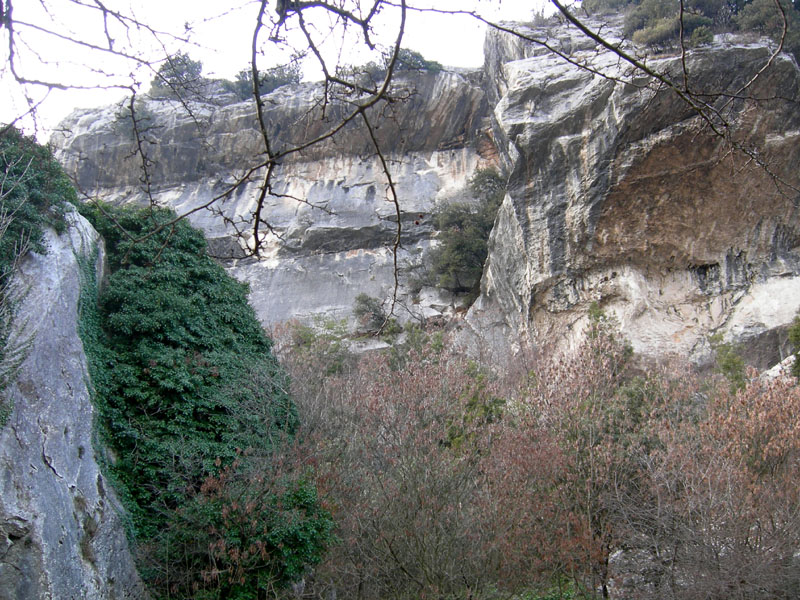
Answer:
(336, 242)
(60, 531)
(620, 196)
(617, 193)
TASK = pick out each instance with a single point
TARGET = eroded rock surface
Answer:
(61, 536)
(336, 242)
(622, 197)
(618, 195)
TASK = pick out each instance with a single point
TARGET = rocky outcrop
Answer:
(623, 197)
(337, 241)
(61, 535)
(618, 194)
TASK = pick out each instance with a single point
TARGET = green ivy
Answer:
(184, 379)
(34, 194)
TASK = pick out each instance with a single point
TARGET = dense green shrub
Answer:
(763, 17)
(178, 75)
(729, 363)
(33, 194)
(184, 381)
(369, 312)
(268, 80)
(701, 35)
(794, 338)
(411, 60)
(457, 263)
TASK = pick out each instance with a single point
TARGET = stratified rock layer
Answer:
(61, 536)
(333, 222)
(624, 197)
(618, 195)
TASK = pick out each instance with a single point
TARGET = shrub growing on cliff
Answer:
(411, 60)
(656, 22)
(457, 264)
(794, 338)
(407, 60)
(177, 76)
(763, 17)
(33, 193)
(372, 318)
(176, 354)
(268, 80)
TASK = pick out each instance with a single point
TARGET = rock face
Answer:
(338, 241)
(621, 196)
(61, 536)
(618, 195)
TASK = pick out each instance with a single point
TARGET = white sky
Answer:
(220, 37)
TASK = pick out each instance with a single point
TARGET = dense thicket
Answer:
(570, 476)
(194, 411)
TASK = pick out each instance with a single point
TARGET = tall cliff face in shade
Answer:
(61, 531)
(618, 196)
(624, 198)
(336, 240)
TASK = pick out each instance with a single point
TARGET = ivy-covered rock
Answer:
(186, 384)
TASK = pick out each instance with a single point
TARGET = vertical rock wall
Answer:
(61, 537)
(333, 222)
(620, 195)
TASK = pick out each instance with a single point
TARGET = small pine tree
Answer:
(177, 76)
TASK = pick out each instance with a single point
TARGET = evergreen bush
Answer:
(178, 75)
(457, 264)
(268, 80)
(186, 386)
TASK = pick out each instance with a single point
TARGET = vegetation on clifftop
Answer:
(658, 23)
(34, 192)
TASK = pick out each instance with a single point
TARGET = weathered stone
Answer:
(338, 242)
(620, 196)
(617, 194)
(61, 533)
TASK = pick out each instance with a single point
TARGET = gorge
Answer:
(620, 196)
(617, 194)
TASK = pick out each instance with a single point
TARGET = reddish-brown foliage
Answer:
(448, 482)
